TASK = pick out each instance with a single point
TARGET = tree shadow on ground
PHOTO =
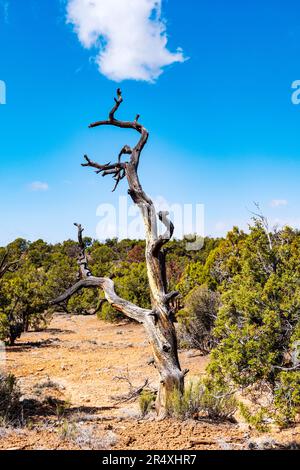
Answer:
(21, 347)
(59, 331)
(50, 406)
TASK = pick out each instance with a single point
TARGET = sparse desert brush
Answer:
(10, 406)
(201, 400)
(58, 407)
(38, 387)
(268, 443)
(85, 436)
(196, 320)
(184, 405)
(146, 401)
(67, 430)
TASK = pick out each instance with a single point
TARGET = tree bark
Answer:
(157, 321)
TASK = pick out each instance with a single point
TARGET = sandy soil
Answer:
(81, 360)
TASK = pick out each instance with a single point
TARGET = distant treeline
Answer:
(239, 301)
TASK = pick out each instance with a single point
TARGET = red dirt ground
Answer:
(78, 359)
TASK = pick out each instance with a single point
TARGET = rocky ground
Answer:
(75, 377)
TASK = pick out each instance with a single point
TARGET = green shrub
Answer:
(23, 301)
(109, 314)
(258, 419)
(197, 319)
(84, 303)
(258, 325)
(199, 399)
(287, 397)
(185, 405)
(146, 401)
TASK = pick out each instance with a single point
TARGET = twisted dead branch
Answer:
(158, 321)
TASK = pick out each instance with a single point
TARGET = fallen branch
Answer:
(133, 392)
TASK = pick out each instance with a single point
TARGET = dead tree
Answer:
(158, 321)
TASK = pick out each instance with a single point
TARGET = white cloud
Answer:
(38, 186)
(130, 36)
(278, 202)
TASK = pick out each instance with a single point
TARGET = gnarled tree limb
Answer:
(163, 239)
(107, 285)
(84, 271)
(157, 321)
(135, 125)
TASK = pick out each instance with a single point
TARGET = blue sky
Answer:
(223, 129)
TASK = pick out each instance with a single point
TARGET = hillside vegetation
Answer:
(239, 302)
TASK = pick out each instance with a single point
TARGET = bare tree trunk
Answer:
(157, 321)
(25, 322)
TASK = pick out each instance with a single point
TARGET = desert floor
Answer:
(86, 362)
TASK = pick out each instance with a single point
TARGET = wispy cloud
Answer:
(278, 202)
(4, 6)
(130, 37)
(38, 186)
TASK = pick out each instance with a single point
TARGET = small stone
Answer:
(129, 440)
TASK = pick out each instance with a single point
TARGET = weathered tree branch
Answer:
(87, 280)
(163, 239)
(296, 367)
(171, 295)
(135, 125)
(133, 392)
(107, 285)
(84, 271)
(157, 321)
(265, 224)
